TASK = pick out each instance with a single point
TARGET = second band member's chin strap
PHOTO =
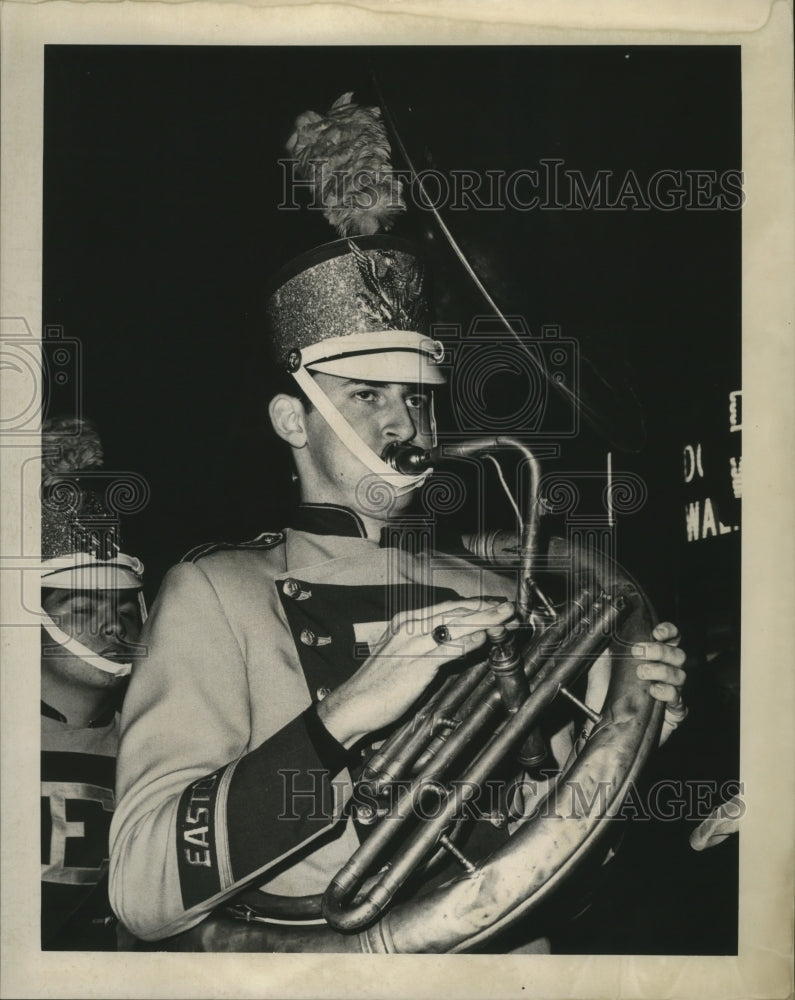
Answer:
(353, 442)
(72, 645)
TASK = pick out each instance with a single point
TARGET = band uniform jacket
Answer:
(226, 778)
(77, 779)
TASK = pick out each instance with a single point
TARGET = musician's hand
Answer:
(403, 663)
(663, 664)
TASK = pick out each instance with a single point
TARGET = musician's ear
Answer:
(288, 419)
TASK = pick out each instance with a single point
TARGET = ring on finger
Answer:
(674, 714)
(441, 634)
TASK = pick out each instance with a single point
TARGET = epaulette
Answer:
(267, 540)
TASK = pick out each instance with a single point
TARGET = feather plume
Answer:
(346, 157)
(70, 444)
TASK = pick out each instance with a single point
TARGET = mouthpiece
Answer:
(408, 460)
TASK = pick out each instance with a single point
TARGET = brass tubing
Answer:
(392, 878)
(562, 629)
(536, 654)
(585, 709)
(389, 749)
(430, 751)
(507, 668)
(565, 669)
(409, 744)
(408, 458)
(461, 858)
(414, 742)
(535, 749)
(353, 872)
(397, 755)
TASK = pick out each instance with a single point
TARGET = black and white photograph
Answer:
(389, 581)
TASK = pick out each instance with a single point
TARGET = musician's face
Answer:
(380, 412)
(106, 621)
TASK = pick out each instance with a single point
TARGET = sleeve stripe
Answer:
(180, 923)
(278, 797)
(239, 819)
(197, 858)
(222, 838)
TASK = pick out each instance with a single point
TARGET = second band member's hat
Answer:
(80, 534)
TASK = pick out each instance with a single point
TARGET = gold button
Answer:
(292, 588)
(310, 638)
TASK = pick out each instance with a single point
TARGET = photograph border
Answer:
(763, 966)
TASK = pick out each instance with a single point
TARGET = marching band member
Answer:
(273, 665)
(92, 607)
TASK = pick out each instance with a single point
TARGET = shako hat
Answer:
(80, 534)
(356, 307)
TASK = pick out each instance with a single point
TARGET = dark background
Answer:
(161, 227)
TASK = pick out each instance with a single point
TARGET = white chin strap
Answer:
(77, 648)
(353, 442)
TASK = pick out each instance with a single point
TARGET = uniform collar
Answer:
(328, 519)
(333, 519)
